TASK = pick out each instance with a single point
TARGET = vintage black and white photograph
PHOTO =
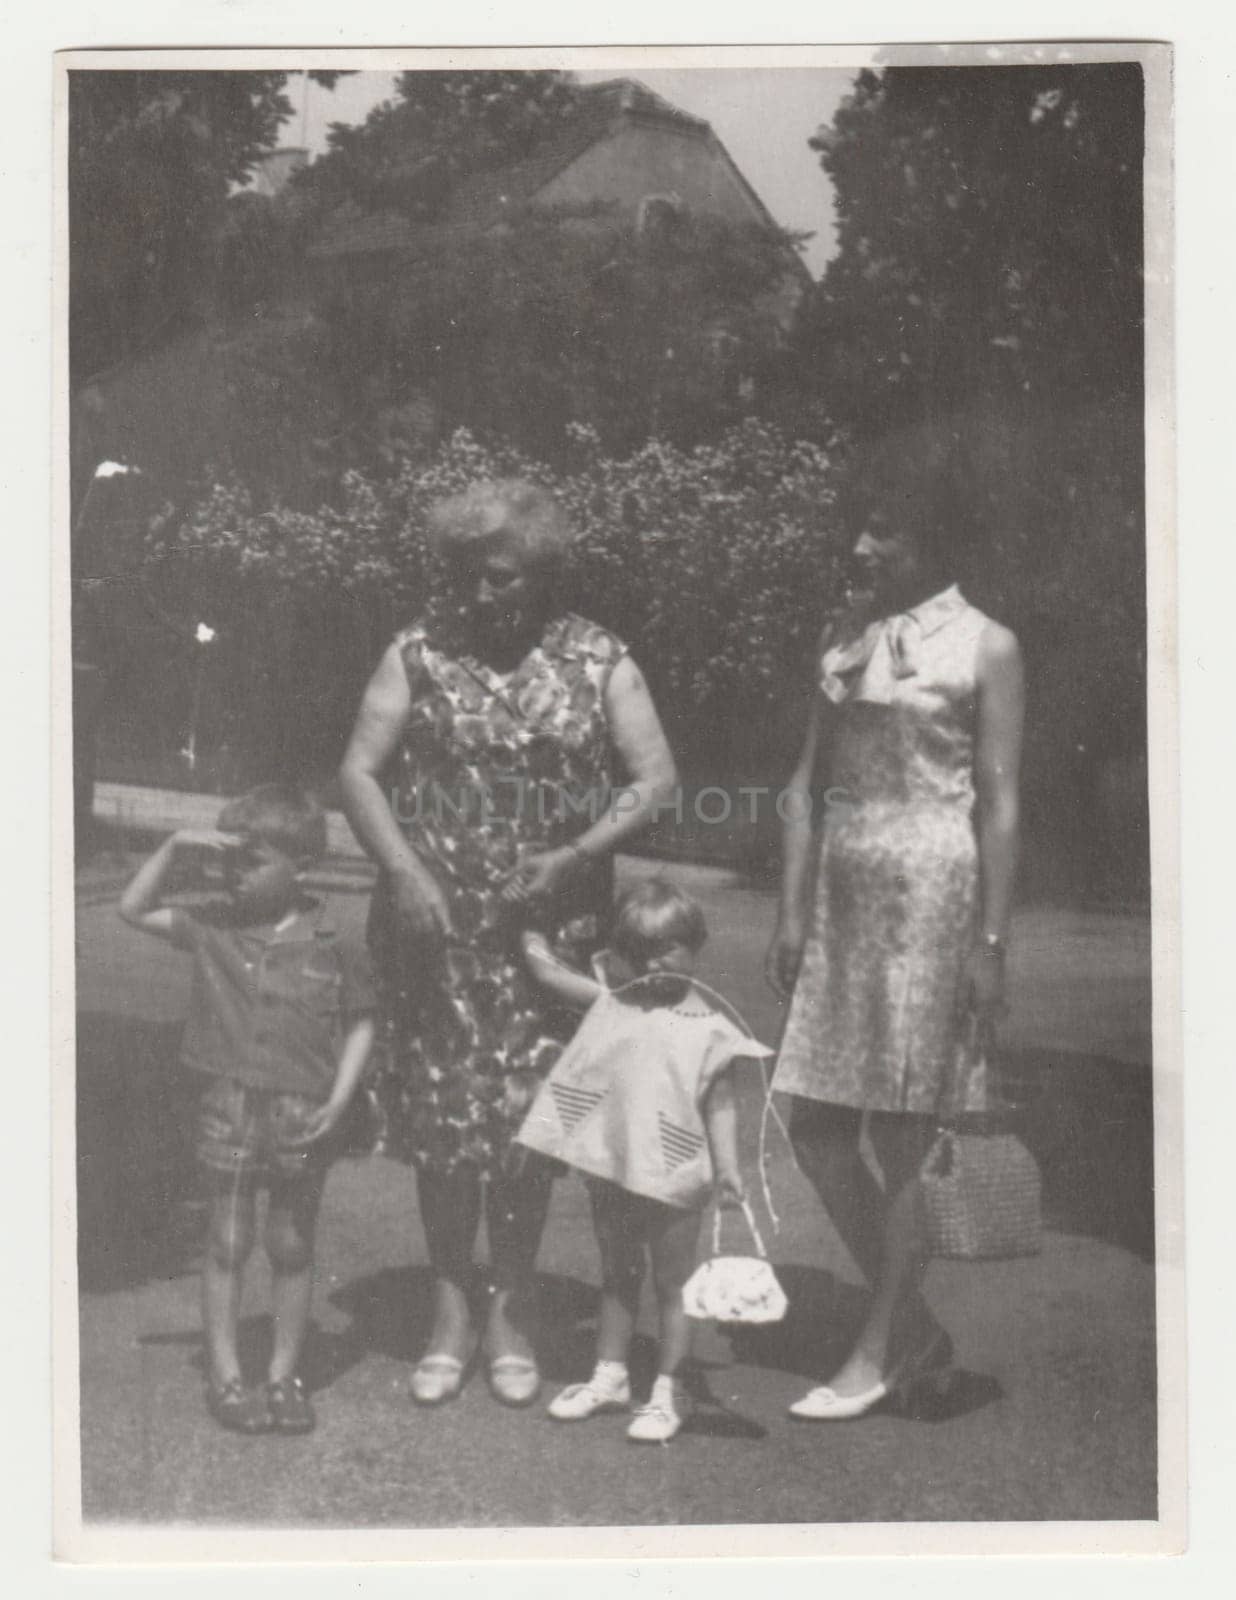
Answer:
(611, 667)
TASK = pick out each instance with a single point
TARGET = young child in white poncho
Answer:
(641, 1101)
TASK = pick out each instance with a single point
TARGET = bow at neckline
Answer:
(843, 664)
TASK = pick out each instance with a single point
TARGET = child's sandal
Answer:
(237, 1408)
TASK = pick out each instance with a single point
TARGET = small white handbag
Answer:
(735, 1288)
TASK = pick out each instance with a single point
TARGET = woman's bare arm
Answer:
(647, 760)
(383, 713)
(997, 824)
(997, 767)
(799, 826)
(797, 834)
(652, 777)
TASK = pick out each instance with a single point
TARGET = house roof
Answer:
(483, 199)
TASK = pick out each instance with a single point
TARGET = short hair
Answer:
(654, 913)
(509, 510)
(923, 479)
(287, 819)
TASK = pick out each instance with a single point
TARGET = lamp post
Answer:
(203, 637)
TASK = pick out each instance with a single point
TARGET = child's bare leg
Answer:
(621, 1244)
(674, 1245)
(291, 1222)
(618, 1222)
(229, 1244)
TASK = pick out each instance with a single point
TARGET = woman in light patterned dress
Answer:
(891, 938)
(479, 778)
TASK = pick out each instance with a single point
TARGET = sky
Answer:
(763, 116)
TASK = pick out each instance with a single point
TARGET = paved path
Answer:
(1056, 1418)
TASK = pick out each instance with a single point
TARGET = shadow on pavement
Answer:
(391, 1313)
(820, 1325)
(137, 1194)
(327, 1355)
(709, 1416)
(942, 1397)
(819, 1328)
(1089, 1123)
(566, 1345)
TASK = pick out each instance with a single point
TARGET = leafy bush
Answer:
(719, 565)
(716, 564)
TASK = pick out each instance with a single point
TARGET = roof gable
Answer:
(485, 198)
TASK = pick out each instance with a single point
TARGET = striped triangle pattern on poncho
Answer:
(573, 1104)
(678, 1144)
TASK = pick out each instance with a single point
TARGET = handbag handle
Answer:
(745, 1206)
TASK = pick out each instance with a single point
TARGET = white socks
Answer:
(609, 1376)
(663, 1392)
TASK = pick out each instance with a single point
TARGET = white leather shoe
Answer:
(515, 1380)
(436, 1378)
(826, 1405)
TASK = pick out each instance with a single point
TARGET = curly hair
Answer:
(520, 515)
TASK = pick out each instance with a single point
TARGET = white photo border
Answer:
(94, 1543)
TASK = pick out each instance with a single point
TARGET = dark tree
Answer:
(990, 233)
(559, 318)
(988, 293)
(410, 152)
(152, 157)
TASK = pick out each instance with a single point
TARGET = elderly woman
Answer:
(479, 778)
(892, 939)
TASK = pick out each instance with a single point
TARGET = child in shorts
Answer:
(641, 1101)
(280, 1029)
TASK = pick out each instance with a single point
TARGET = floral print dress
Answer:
(873, 1021)
(491, 765)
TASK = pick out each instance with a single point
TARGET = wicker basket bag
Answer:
(981, 1190)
